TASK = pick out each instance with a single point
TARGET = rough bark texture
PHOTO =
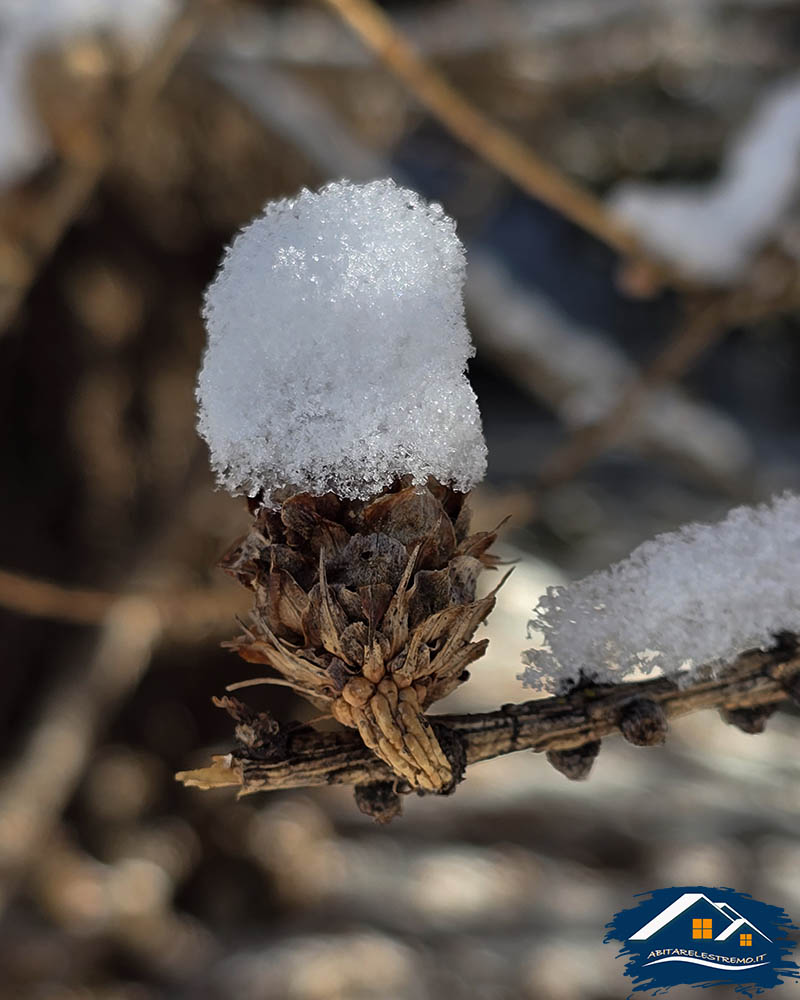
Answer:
(750, 688)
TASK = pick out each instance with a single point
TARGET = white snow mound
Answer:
(693, 598)
(337, 348)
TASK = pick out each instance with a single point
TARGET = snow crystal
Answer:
(692, 598)
(337, 348)
(711, 231)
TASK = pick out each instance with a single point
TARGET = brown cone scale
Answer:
(368, 609)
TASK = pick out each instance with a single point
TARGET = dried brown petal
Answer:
(242, 560)
(287, 603)
(439, 546)
(370, 560)
(368, 611)
(375, 600)
(431, 593)
(394, 624)
(409, 516)
(283, 557)
(462, 522)
(447, 678)
(328, 537)
(464, 572)
(353, 640)
(299, 515)
(350, 602)
(792, 687)
(374, 665)
(477, 545)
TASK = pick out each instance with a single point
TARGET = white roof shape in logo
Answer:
(684, 903)
(740, 925)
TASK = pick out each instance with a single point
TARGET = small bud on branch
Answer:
(557, 725)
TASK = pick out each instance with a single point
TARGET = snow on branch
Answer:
(712, 231)
(690, 599)
(337, 348)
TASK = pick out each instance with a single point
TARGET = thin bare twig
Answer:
(757, 679)
(490, 141)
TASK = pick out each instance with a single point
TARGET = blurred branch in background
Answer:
(708, 319)
(133, 888)
(283, 105)
(130, 897)
(80, 702)
(182, 615)
(581, 375)
(714, 231)
(543, 38)
(32, 222)
(495, 144)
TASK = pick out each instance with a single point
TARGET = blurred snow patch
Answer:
(712, 231)
(27, 26)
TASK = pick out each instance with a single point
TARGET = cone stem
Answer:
(755, 680)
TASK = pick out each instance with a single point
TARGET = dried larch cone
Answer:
(368, 609)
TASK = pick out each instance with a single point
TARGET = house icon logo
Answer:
(697, 936)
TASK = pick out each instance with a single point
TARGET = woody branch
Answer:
(745, 692)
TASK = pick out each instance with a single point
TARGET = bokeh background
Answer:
(619, 400)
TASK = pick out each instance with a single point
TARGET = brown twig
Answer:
(77, 178)
(42, 599)
(490, 141)
(638, 710)
(709, 318)
(181, 614)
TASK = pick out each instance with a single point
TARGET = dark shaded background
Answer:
(115, 882)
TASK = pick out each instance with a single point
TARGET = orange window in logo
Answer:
(745, 940)
(701, 927)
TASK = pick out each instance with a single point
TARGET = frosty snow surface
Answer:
(695, 597)
(337, 348)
